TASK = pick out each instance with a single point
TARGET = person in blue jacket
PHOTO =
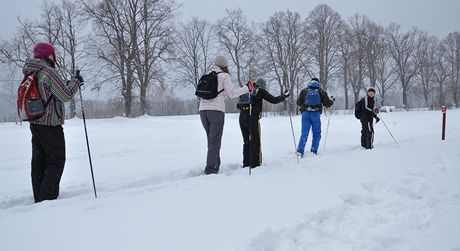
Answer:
(311, 101)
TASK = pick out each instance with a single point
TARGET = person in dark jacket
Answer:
(311, 101)
(48, 144)
(368, 112)
(250, 106)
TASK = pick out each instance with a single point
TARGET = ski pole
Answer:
(86, 134)
(250, 133)
(327, 128)
(391, 134)
(292, 129)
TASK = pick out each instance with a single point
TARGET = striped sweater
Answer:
(53, 88)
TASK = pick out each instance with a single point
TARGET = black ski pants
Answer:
(250, 129)
(48, 160)
(367, 133)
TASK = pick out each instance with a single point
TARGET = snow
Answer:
(152, 196)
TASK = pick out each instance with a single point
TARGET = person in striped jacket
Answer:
(48, 143)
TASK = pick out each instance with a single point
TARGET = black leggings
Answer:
(250, 129)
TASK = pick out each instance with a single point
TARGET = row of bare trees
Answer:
(138, 46)
(348, 55)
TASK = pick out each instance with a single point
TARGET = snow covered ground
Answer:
(152, 195)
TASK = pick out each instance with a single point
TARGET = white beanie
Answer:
(221, 61)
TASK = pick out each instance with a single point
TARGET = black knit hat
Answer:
(260, 82)
(372, 89)
(315, 79)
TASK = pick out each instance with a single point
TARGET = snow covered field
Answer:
(152, 196)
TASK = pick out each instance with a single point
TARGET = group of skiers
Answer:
(311, 101)
(48, 143)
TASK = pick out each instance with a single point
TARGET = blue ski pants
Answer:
(310, 119)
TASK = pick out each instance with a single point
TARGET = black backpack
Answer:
(207, 86)
(359, 108)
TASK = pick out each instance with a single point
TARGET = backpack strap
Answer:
(217, 73)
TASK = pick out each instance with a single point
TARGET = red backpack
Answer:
(30, 105)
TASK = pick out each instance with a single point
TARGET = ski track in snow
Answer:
(107, 189)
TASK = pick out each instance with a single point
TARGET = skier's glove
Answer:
(79, 77)
(377, 119)
(286, 93)
(250, 85)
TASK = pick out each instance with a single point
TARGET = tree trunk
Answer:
(404, 93)
(128, 101)
(345, 88)
(455, 89)
(456, 104)
(426, 97)
(143, 99)
(442, 100)
(128, 95)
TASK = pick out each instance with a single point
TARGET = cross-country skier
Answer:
(311, 101)
(366, 111)
(250, 106)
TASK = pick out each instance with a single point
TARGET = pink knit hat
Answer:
(43, 50)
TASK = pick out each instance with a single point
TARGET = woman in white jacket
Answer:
(212, 112)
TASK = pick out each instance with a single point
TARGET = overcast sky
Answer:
(438, 17)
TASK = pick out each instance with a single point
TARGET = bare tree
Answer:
(452, 44)
(345, 45)
(134, 38)
(374, 46)
(49, 28)
(193, 49)
(113, 44)
(358, 56)
(441, 72)
(237, 39)
(273, 50)
(403, 50)
(19, 47)
(323, 28)
(385, 72)
(153, 42)
(356, 74)
(426, 58)
(284, 45)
